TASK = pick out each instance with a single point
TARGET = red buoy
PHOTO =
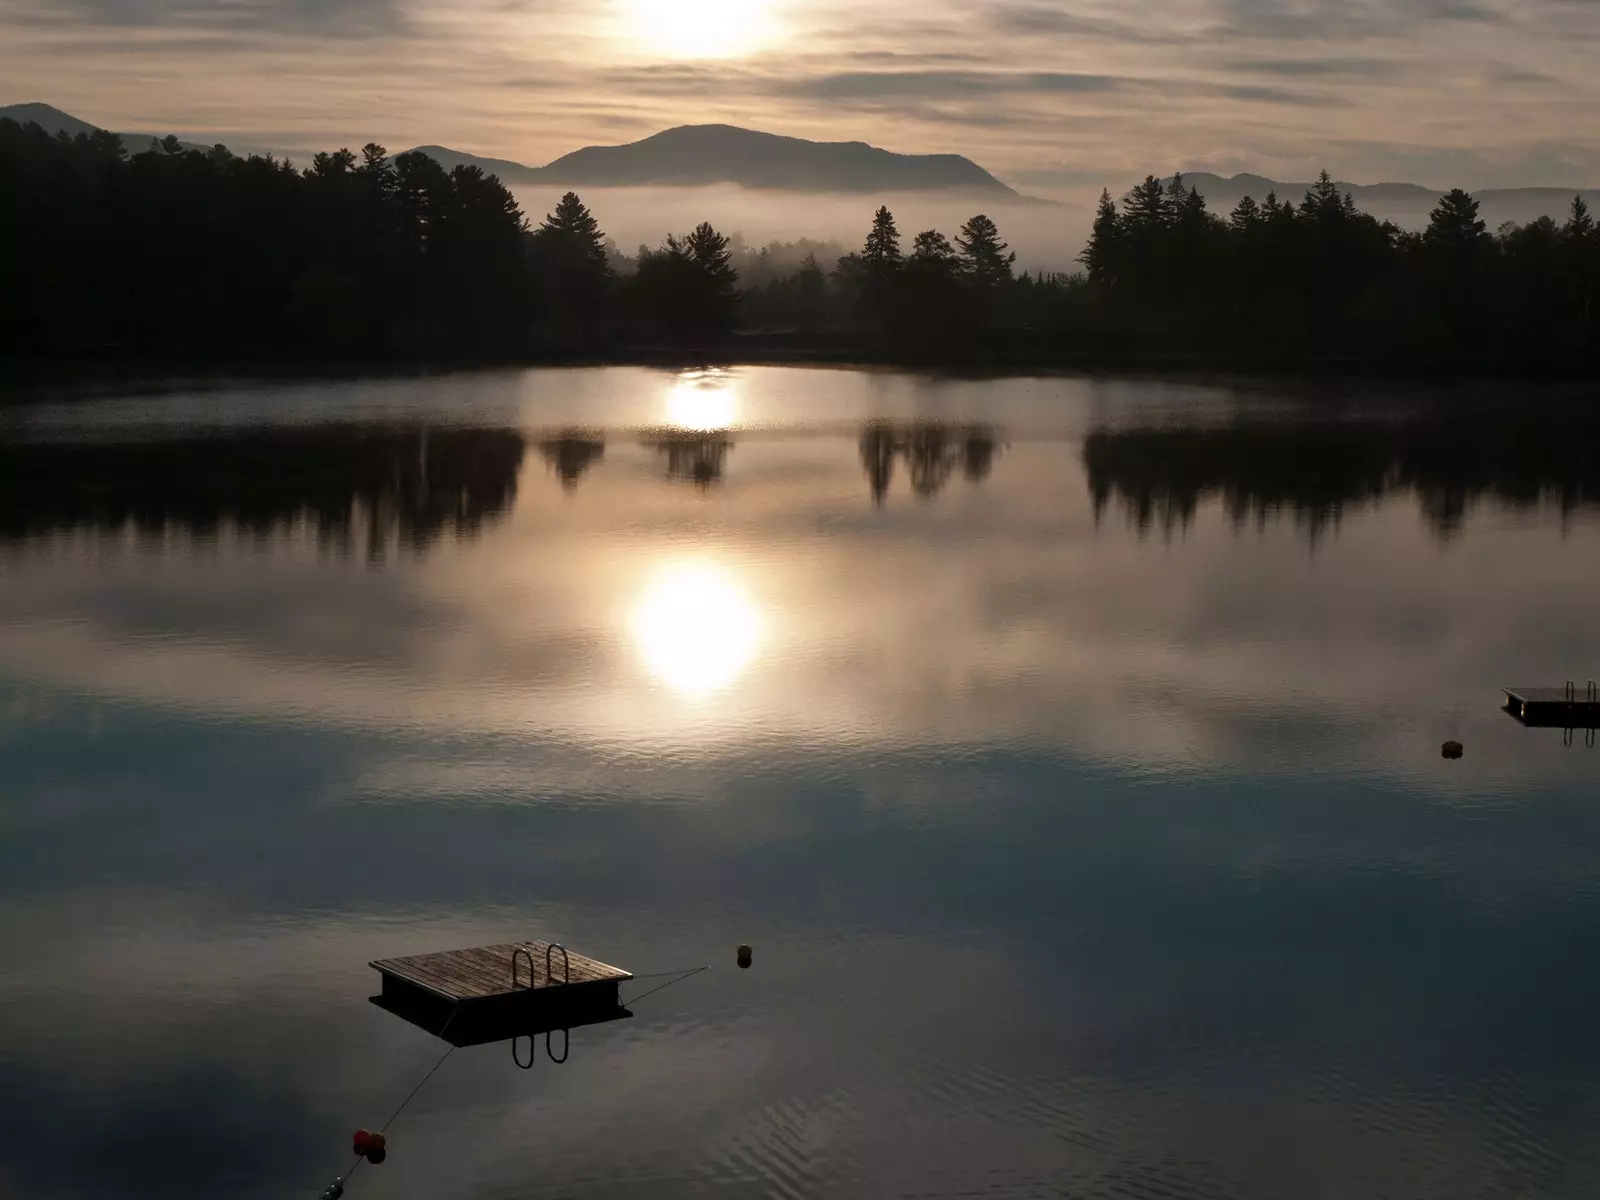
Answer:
(362, 1142)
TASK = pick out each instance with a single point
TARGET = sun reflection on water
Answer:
(695, 628)
(703, 401)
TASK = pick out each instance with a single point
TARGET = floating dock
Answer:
(1569, 707)
(490, 993)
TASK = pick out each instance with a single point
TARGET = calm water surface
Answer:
(1067, 749)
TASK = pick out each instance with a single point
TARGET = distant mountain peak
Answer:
(702, 155)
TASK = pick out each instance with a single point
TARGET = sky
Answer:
(1045, 93)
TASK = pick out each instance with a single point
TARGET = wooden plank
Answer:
(1542, 695)
(480, 972)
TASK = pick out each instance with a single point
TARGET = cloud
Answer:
(869, 85)
(1367, 68)
(1321, 20)
(1116, 89)
(347, 18)
(1272, 95)
(1039, 19)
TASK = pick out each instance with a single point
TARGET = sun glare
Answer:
(695, 629)
(699, 28)
(702, 401)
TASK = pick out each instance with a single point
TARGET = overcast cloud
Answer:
(1476, 92)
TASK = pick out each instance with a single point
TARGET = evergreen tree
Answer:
(1580, 223)
(810, 288)
(984, 258)
(574, 269)
(1145, 208)
(881, 254)
(1454, 225)
(1102, 256)
(1324, 201)
(1246, 216)
(715, 292)
(932, 252)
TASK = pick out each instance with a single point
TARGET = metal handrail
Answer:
(533, 1051)
(532, 977)
(1572, 691)
(566, 965)
(1591, 693)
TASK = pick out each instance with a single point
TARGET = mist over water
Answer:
(1045, 237)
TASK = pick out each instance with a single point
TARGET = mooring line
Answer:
(681, 976)
(337, 1189)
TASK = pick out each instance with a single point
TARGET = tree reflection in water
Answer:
(932, 450)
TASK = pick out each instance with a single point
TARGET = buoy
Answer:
(376, 1155)
(1452, 750)
(376, 1142)
(362, 1141)
(744, 956)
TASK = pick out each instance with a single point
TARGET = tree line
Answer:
(1323, 280)
(365, 255)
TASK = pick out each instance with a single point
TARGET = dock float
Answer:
(1569, 707)
(491, 993)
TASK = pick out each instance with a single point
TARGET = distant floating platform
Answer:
(519, 985)
(1567, 707)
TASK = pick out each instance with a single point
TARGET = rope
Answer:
(409, 1098)
(338, 1184)
(681, 976)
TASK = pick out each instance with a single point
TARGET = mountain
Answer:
(53, 120)
(699, 155)
(1406, 204)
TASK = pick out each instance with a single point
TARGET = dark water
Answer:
(1068, 751)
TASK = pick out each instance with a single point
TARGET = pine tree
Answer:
(881, 254)
(1145, 208)
(1324, 201)
(1454, 225)
(931, 250)
(1102, 256)
(1580, 224)
(716, 281)
(1246, 216)
(710, 253)
(983, 255)
(574, 236)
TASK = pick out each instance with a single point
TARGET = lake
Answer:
(1068, 750)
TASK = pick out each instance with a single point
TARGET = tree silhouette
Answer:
(1454, 227)
(575, 271)
(879, 264)
(1101, 258)
(881, 253)
(985, 260)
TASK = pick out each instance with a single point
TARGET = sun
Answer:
(695, 628)
(699, 28)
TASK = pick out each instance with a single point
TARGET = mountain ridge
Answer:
(704, 155)
(52, 120)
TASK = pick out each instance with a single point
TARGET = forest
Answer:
(361, 256)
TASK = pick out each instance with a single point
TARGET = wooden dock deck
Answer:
(1569, 707)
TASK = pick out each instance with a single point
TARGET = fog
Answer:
(1045, 236)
